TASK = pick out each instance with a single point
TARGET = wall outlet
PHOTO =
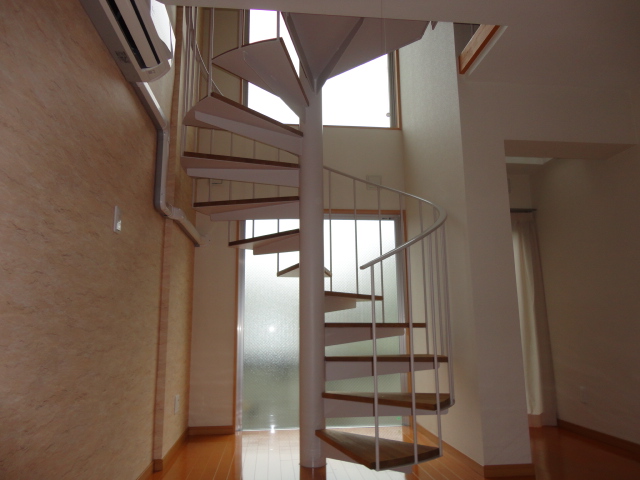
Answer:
(176, 404)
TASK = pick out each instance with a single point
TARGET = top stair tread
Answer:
(216, 105)
(210, 160)
(347, 41)
(362, 449)
(267, 64)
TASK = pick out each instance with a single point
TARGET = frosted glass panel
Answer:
(270, 384)
(271, 332)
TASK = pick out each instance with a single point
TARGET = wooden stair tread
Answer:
(246, 201)
(361, 448)
(294, 271)
(268, 65)
(405, 357)
(355, 296)
(225, 206)
(207, 160)
(424, 401)
(251, 242)
(368, 325)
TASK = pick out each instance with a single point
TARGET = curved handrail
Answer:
(442, 217)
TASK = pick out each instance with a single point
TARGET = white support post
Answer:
(311, 287)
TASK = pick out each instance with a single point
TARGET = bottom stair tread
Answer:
(425, 401)
(362, 449)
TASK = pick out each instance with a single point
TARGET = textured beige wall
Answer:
(79, 303)
(179, 338)
(589, 231)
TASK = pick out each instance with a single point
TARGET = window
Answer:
(362, 97)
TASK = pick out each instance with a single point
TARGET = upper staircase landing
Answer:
(347, 42)
(217, 111)
(268, 65)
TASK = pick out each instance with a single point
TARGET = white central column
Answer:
(311, 287)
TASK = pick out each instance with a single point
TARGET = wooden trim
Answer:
(502, 471)
(487, 471)
(164, 462)
(398, 98)
(346, 211)
(476, 45)
(631, 449)
(535, 421)
(522, 210)
(147, 472)
(235, 337)
(361, 127)
(214, 430)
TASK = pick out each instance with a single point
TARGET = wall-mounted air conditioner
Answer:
(138, 34)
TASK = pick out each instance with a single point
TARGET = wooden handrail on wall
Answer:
(476, 45)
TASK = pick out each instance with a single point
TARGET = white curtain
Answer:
(536, 344)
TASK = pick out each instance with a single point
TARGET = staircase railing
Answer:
(425, 258)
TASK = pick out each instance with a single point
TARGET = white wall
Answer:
(589, 231)
(435, 169)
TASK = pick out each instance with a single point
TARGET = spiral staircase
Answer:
(346, 43)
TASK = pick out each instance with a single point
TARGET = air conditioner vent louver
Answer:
(138, 34)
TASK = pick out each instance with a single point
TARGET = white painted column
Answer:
(311, 287)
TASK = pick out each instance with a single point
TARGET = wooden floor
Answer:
(557, 454)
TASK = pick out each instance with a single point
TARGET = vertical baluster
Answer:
(438, 280)
(436, 361)
(445, 293)
(412, 369)
(330, 237)
(355, 224)
(380, 250)
(375, 368)
(424, 282)
(210, 56)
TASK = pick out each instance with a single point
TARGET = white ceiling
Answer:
(559, 42)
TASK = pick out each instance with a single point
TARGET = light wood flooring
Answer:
(558, 455)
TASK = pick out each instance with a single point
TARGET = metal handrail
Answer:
(442, 217)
